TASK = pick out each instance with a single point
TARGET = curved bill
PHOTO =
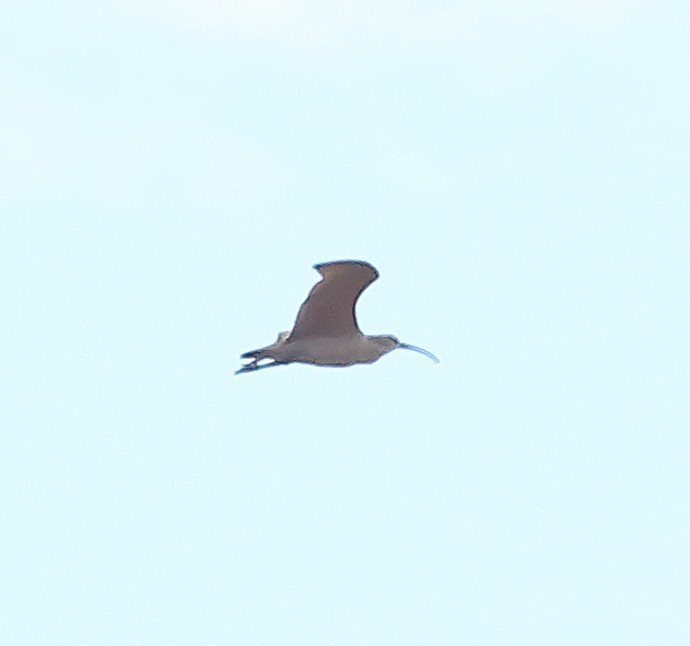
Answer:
(407, 346)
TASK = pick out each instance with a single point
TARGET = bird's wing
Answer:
(330, 307)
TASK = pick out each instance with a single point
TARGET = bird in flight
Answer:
(326, 331)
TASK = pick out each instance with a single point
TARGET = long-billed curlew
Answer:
(326, 331)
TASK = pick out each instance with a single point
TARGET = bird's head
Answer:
(389, 342)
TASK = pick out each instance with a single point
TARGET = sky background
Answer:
(518, 173)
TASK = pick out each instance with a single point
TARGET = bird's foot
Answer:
(253, 366)
(248, 367)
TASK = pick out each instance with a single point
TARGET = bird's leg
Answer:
(253, 366)
(248, 367)
(256, 356)
(263, 354)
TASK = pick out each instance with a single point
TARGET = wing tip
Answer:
(362, 263)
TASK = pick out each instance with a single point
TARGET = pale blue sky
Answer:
(518, 173)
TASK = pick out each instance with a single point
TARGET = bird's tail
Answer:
(257, 355)
(262, 353)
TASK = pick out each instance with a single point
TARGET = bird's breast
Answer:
(332, 351)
